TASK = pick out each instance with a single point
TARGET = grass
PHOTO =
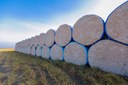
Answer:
(6, 49)
(22, 69)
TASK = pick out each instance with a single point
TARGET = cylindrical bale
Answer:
(45, 52)
(33, 50)
(28, 46)
(28, 50)
(28, 42)
(50, 38)
(88, 29)
(75, 53)
(63, 35)
(31, 41)
(56, 52)
(38, 51)
(117, 24)
(36, 40)
(42, 37)
(109, 56)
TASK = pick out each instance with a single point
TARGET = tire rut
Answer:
(75, 77)
(51, 81)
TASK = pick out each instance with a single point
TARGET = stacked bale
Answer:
(88, 29)
(36, 44)
(63, 35)
(56, 52)
(62, 38)
(75, 53)
(28, 46)
(38, 51)
(31, 41)
(40, 43)
(45, 52)
(42, 37)
(109, 56)
(50, 37)
(33, 50)
(36, 40)
(25, 46)
(117, 24)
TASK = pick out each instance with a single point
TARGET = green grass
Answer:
(22, 69)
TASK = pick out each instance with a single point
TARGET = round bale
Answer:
(75, 53)
(31, 41)
(28, 50)
(50, 38)
(42, 39)
(36, 40)
(56, 52)
(88, 29)
(38, 51)
(33, 50)
(45, 52)
(117, 24)
(109, 56)
(63, 35)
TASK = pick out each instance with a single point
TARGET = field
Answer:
(6, 49)
(21, 69)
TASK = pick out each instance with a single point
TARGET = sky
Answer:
(22, 19)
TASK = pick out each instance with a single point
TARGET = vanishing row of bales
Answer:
(91, 41)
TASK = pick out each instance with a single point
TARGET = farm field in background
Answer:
(6, 49)
(21, 69)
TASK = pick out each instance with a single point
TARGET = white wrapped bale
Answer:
(88, 29)
(56, 52)
(45, 52)
(33, 51)
(109, 56)
(42, 37)
(31, 41)
(50, 38)
(36, 40)
(28, 42)
(117, 24)
(28, 49)
(75, 53)
(63, 35)
(38, 51)
(28, 46)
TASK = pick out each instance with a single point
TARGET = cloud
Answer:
(101, 8)
(15, 30)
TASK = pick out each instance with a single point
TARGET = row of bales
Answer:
(91, 41)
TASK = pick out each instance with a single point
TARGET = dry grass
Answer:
(24, 69)
(6, 49)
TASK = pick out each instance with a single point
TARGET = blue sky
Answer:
(38, 10)
(21, 19)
